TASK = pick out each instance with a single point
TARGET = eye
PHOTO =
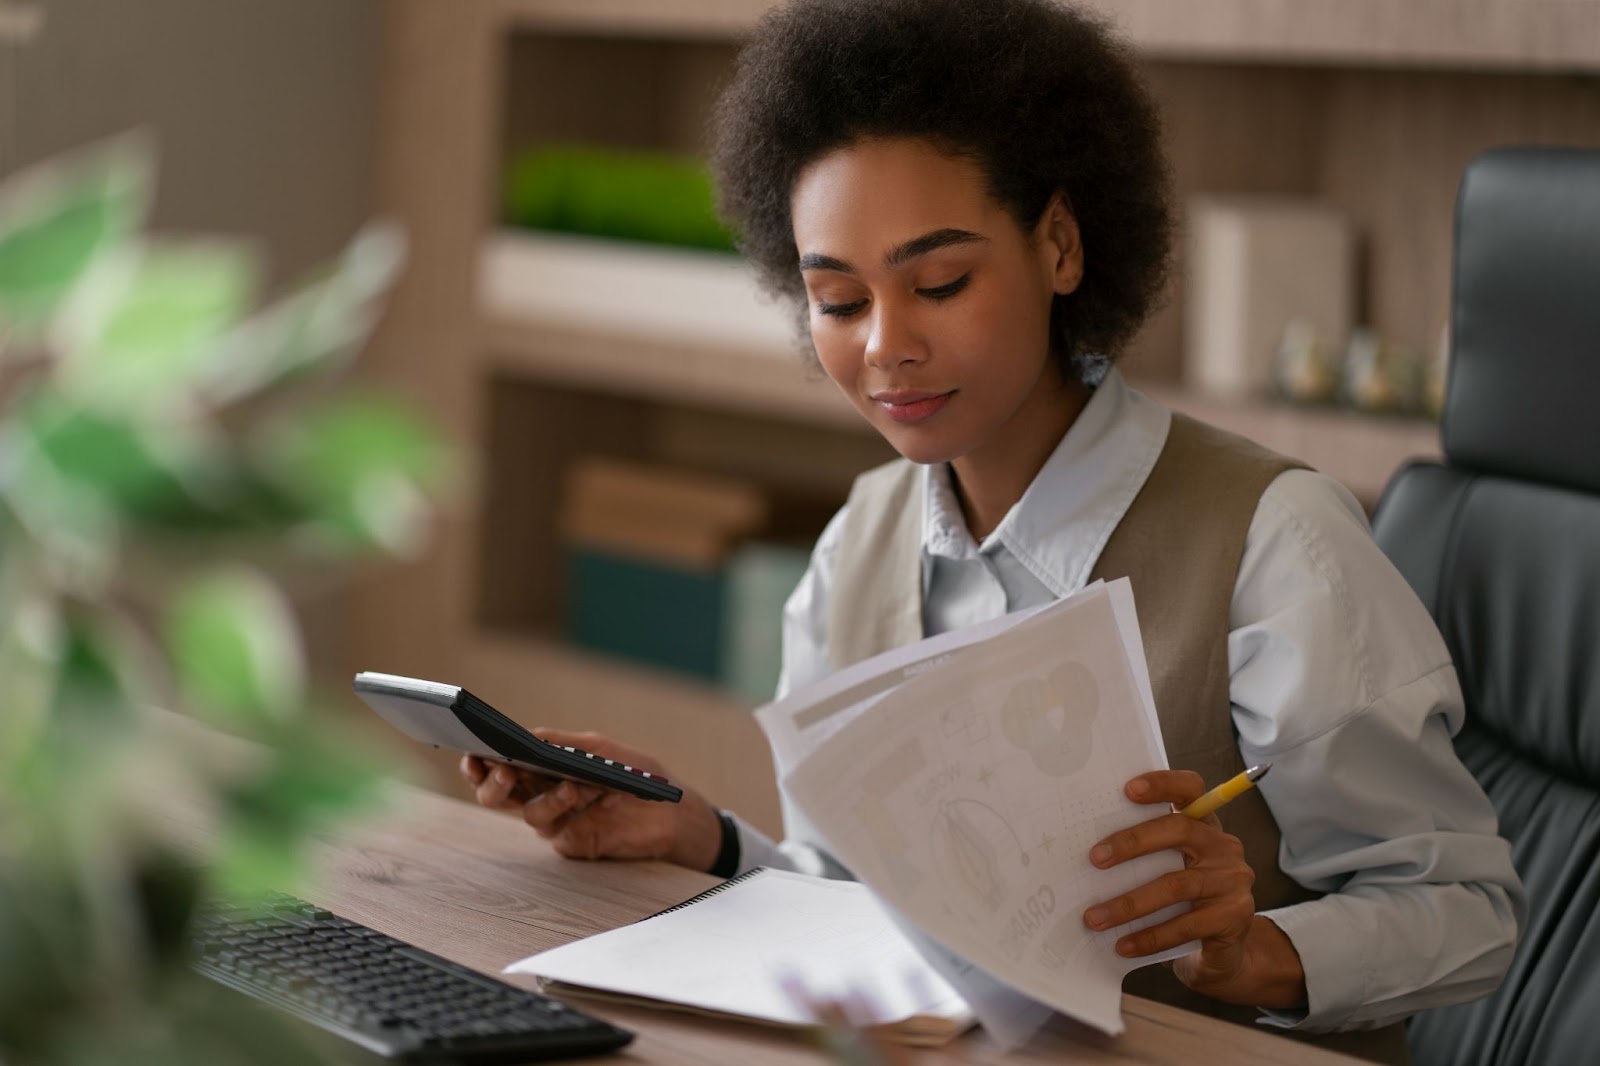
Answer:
(841, 310)
(944, 292)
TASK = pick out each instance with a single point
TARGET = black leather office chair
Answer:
(1502, 542)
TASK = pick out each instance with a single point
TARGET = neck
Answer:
(990, 479)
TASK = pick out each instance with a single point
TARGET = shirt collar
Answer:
(1066, 515)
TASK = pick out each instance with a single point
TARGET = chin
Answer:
(920, 446)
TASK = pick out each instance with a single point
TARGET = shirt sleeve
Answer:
(1340, 680)
(805, 660)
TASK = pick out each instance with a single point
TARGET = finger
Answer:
(1215, 926)
(586, 741)
(497, 787)
(587, 795)
(1194, 839)
(1181, 787)
(577, 837)
(578, 795)
(531, 783)
(472, 769)
(545, 811)
(1195, 884)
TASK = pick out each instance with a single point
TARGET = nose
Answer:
(893, 338)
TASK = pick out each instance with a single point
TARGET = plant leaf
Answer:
(314, 778)
(145, 328)
(90, 714)
(361, 466)
(58, 217)
(327, 318)
(78, 476)
(235, 648)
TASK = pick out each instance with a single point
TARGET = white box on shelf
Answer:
(625, 289)
(1255, 264)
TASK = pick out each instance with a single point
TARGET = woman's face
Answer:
(930, 306)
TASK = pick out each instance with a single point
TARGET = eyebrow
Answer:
(900, 254)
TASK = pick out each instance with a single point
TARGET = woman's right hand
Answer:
(590, 822)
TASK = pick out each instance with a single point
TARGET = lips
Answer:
(910, 405)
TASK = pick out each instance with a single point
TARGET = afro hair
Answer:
(1041, 97)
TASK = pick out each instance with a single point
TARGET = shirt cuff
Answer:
(756, 848)
(1335, 964)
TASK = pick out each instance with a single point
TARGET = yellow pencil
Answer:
(1228, 790)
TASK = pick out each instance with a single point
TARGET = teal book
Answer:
(651, 612)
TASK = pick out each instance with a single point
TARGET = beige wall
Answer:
(264, 109)
(264, 114)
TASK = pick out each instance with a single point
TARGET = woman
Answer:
(969, 202)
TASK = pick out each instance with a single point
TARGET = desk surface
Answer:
(476, 886)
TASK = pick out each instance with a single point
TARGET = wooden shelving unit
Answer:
(1512, 34)
(533, 349)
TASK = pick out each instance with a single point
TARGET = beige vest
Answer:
(1183, 574)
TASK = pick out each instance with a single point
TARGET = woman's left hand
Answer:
(1243, 957)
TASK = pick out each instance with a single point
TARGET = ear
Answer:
(1060, 249)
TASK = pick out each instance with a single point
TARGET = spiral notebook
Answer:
(740, 948)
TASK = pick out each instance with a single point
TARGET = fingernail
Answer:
(1125, 947)
(1100, 854)
(1097, 916)
(1138, 789)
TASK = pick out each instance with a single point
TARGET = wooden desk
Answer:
(476, 886)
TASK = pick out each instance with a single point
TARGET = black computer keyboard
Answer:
(392, 999)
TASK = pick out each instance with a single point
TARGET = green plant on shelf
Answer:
(598, 192)
(168, 457)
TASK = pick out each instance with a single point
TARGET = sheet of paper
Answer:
(1007, 1016)
(969, 796)
(807, 717)
(796, 724)
(734, 952)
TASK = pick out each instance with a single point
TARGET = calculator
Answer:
(448, 716)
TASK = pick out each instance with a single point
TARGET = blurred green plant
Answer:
(602, 192)
(165, 451)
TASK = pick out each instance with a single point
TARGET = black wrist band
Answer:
(727, 863)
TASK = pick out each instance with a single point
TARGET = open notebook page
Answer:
(733, 950)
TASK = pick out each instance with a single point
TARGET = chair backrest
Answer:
(1502, 542)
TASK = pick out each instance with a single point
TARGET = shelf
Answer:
(696, 332)
(1360, 451)
(704, 736)
(1464, 34)
(681, 326)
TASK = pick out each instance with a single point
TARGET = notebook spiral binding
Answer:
(708, 893)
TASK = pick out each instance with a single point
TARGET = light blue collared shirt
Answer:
(1338, 677)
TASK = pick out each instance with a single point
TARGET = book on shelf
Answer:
(649, 513)
(645, 549)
